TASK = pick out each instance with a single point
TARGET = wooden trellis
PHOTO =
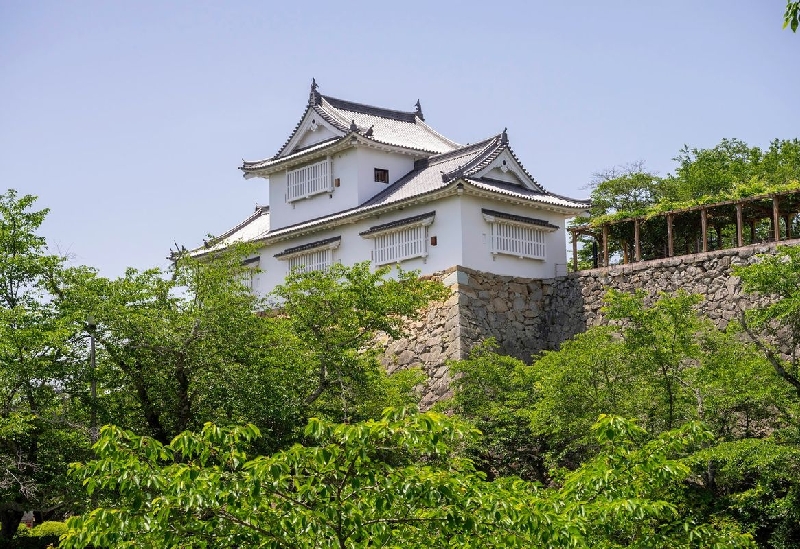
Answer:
(746, 211)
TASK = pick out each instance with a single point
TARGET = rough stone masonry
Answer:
(527, 316)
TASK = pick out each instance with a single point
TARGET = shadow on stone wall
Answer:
(527, 316)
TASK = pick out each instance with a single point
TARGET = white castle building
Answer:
(355, 182)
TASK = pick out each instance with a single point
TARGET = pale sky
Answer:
(129, 119)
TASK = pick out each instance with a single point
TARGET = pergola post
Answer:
(787, 221)
(670, 249)
(636, 243)
(739, 236)
(605, 245)
(752, 231)
(574, 249)
(704, 228)
(625, 258)
(776, 219)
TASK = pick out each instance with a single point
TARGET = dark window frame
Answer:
(381, 175)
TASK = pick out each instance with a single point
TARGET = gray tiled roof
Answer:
(390, 127)
(435, 173)
(401, 129)
(516, 191)
(520, 218)
(432, 174)
(309, 246)
(399, 223)
(250, 166)
(252, 228)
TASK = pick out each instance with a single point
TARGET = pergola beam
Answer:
(739, 236)
(670, 247)
(776, 218)
(704, 227)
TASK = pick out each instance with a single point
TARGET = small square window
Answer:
(381, 175)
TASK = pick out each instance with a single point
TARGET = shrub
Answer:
(49, 528)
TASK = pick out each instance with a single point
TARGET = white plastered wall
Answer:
(462, 236)
(477, 240)
(355, 169)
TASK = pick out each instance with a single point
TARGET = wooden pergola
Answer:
(696, 224)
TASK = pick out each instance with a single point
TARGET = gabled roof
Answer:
(404, 129)
(459, 170)
(248, 230)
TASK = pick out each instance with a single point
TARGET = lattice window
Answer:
(315, 260)
(517, 240)
(309, 180)
(401, 244)
(246, 279)
(247, 276)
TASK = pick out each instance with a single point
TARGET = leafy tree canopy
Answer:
(730, 170)
(387, 483)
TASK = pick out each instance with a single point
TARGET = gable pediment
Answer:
(506, 168)
(312, 129)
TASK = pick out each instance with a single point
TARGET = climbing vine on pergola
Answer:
(714, 226)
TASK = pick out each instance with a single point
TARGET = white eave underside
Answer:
(330, 146)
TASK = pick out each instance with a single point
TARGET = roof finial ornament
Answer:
(314, 97)
(418, 111)
(504, 137)
(368, 133)
(353, 127)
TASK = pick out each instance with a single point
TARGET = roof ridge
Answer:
(421, 122)
(461, 151)
(260, 210)
(490, 144)
(344, 104)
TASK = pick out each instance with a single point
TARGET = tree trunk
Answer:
(9, 519)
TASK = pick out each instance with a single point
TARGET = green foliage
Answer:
(174, 349)
(792, 16)
(587, 377)
(776, 277)
(37, 362)
(494, 392)
(49, 528)
(30, 542)
(627, 189)
(757, 483)
(730, 171)
(387, 483)
(336, 315)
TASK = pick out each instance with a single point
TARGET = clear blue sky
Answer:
(129, 119)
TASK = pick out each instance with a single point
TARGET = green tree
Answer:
(41, 427)
(776, 277)
(336, 314)
(629, 188)
(387, 483)
(495, 393)
(661, 363)
(178, 348)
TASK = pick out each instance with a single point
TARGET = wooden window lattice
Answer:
(519, 240)
(401, 244)
(309, 180)
(317, 260)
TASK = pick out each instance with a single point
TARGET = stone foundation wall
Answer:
(527, 316)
